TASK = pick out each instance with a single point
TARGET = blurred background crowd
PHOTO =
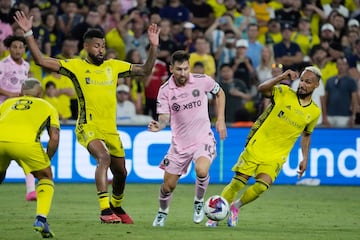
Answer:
(240, 43)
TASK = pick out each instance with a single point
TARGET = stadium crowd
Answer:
(240, 43)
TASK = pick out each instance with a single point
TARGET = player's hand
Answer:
(154, 126)
(302, 168)
(291, 75)
(221, 129)
(24, 22)
(153, 34)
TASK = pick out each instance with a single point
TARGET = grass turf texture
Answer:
(283, 212)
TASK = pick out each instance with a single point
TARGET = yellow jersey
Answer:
(275, 132)
(23, 119)
(95, 87)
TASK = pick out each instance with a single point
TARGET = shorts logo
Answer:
(175, 107)
(166, 162)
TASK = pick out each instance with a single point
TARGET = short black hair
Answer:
(11, 38)
(179, 56)
(50, 84)
(93, 33)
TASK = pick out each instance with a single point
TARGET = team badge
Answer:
(175, 107)
(196, 93)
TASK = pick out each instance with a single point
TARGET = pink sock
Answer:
(164, 199)
(201, 185)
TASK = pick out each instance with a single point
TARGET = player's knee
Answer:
(168, 188)
(260, 187)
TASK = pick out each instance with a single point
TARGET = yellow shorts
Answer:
(85, 133)
(250, 166)
(30, 156)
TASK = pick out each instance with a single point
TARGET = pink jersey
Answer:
(188, 109)
(12, 75)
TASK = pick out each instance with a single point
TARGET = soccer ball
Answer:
(216, 208)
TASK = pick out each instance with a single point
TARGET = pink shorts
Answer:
(177, 161)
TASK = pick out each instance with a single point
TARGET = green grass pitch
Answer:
(283, 212)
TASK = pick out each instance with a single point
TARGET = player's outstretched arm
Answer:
(25, 23)
(146, 68)
(266, 87)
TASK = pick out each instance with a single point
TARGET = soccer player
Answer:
(183, 102)
(22, 120)
(13, 71)
(289, 115)
(95, 81)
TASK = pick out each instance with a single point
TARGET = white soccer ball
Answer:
(216, 208)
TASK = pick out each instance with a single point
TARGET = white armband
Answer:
(216, 89)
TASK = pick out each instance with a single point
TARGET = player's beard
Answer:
(97, 60)
(303, 95)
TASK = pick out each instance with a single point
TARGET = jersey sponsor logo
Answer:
(191, 105)
(176, 107)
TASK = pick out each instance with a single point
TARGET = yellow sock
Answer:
(231, 190)
(254, 191)
(116, 201)
(103, 198)
(44, 194)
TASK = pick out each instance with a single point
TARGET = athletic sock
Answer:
(254, 191)
(231, 190)
(45, 193)
(164, 200)
(103, 198)
(201, 185)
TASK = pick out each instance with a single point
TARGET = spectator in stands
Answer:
(273, 35)
(339, 23)
(227, 50)
(216, 32)
(92, 20)
(137, 39)
(264, 69)
(55, 35)
(304, 38)
(263, 12)
(5, 11)
(287, 52)
(287, 14)
(242, 65)
(254, 46)
(166, 43)
(136, 83)
(336, 5)
(175, 11)
(69, 49)
(113, 14)
(236, 94)
(50, 95)
(242, 22)
(70, 18)
(64, 92)
(202, 54)
(340, 98)
(315, 13)
(349, 41)
(125, 109)
(41, 34)
(319, 58)
(201, 14)
(231, 8)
